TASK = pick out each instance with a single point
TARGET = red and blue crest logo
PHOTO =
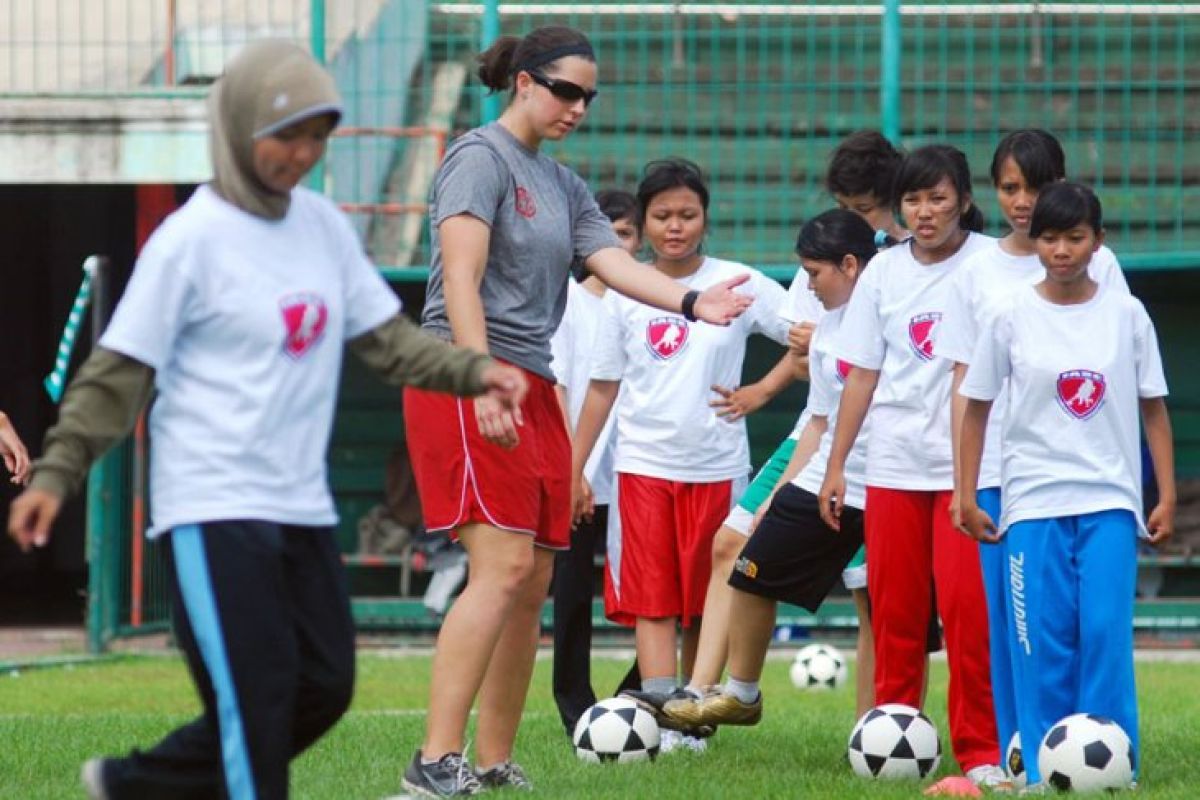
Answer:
(1081, 392)
(304, 318)
(922, 333)
(842, 369)
(666, 336)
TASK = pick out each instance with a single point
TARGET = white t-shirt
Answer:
(805, 307)
(573, 349)
(978, 291)
(1075, 374)
(667, 366)
(243, 320)
(891, 323)
(827, 377)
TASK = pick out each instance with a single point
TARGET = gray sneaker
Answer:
(92, 778)
(505, 776)
(449, 776)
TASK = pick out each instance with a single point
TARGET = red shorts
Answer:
(464, 479)
(665, 559)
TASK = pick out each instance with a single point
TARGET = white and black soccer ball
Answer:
(1014, 762)
(616, 729)
(1086, 753)
(818, 666)
(894, 741)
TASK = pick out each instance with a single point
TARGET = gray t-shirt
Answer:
(542, 218)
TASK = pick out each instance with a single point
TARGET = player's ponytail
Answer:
(537, 50)
(495, 63)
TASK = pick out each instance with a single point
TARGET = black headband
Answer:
(533, 62)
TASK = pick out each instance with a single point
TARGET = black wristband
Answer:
(688, 306)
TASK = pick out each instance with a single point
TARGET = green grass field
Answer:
(52, 719)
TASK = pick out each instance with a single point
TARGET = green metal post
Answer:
(889, 85)
(316, 34)
(488, 33)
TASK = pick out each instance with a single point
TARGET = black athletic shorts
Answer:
(793, 556)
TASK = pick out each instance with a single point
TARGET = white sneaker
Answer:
(669, 740)
(990, 776)
(674, 741)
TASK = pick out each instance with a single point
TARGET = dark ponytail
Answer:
(495, 63)
(924, 167)
(537, 50)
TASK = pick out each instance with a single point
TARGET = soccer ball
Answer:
(1014, 762)
(818, 666)
(616, 729)
(1086, 753)
(894, 741)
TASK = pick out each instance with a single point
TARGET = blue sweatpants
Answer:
(993, 559)
(1071, 589)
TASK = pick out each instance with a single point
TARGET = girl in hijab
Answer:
(236, 315)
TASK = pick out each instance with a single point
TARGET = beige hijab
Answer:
(267, 87)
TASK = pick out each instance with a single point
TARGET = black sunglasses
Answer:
(564, 90)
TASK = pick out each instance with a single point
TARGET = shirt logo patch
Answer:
(843, 370)
(666, 336)
(922, 333)
(304, 318)
(1081, 392)
(526, 207)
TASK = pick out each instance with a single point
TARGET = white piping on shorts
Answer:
(469, 478)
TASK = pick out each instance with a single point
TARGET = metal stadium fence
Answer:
(757, 93)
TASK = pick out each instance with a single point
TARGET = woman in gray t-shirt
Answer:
(507, 223)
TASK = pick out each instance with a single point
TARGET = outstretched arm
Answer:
(718, 304)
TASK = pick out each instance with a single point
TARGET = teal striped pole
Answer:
(316, 35)
(488, 33)
(889, 84)
(56, 381)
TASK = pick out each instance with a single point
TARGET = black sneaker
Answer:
(504, 776)
(449, 776)
(653, 702)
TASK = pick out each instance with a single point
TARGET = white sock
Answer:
(658, 685)
(745, 691)
(694, 690)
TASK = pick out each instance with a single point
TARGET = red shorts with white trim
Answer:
(462, 478)
(665, 557)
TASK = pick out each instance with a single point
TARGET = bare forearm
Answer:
(596, 407)
(780, 377)
(464, 310)
(643, 283)
(971, 436)
(806, 446)
(852, 411)
(958, 408)
(1157, 423)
